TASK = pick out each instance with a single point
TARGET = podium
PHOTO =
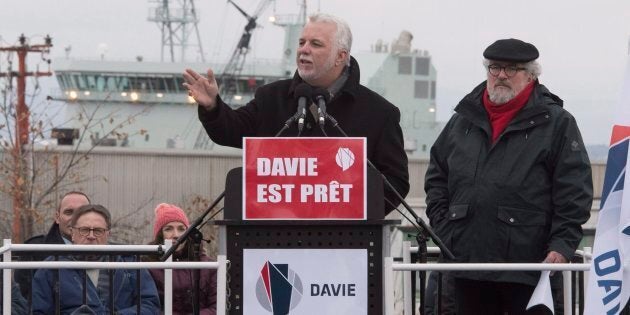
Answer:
(356, 247)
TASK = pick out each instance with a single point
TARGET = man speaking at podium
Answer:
(323, 62)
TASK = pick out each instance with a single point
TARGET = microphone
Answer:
(321, 97)
(303, 94)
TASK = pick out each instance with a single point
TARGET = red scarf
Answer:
(501, 115)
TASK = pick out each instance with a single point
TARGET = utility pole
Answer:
(22, 124)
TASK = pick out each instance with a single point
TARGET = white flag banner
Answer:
(542, 294)
(609, 278)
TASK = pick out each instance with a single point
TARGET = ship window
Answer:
(169, 85)
(62, 82)
(432, 90)
(110, 84)
(70, 80)
(421, 89)
(242, 86)
(422, 66)
(80, 82)
(404, 65)
(133, 83)
(91, 81)
(143, 84)
(178, 84)
(162, 85)
(123, 84)
(100, 83)
(154, 85)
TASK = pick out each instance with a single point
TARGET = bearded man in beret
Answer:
(509, 181)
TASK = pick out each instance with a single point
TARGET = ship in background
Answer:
(153, 92)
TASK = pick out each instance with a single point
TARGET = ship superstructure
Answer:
(153, 92)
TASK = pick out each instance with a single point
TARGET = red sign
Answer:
(304, 178)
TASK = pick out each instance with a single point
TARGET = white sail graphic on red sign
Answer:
(344, 158)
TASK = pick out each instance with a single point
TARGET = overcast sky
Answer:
(583, 43)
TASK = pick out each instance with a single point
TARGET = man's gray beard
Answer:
(500, 98)
(330, 63)
(304, 78)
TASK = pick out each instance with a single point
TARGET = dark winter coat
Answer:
(24, 276)
(183, 286)
(18, 303)
(517, 199)
(359, 111)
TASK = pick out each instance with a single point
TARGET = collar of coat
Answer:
(535, 112)
(350, 87)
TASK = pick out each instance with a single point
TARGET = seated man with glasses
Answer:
(509, 181)
(94, 291)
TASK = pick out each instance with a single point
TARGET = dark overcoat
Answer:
(514, 200)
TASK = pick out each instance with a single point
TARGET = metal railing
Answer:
(7, 265)
(407, 267)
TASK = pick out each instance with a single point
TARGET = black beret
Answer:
(512, 49)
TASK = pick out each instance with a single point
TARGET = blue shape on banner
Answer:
(615, 170)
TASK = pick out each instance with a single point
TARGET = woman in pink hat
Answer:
(170, 223)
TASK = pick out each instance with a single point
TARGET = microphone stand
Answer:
(196, 238)
(424, 231)
(191, 229)
(287, 124)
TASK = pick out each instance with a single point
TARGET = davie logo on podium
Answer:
(304, 178)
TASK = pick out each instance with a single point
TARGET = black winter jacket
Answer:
(24, 276)
(359, 111)
(514, 200)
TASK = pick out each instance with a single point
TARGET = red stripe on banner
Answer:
(264, 273)
(619, 133)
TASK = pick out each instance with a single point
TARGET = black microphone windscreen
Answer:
(320, 92)
(303, 90)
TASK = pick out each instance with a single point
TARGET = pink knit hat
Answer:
(166, 213)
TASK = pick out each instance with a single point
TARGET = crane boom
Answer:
(228, 79)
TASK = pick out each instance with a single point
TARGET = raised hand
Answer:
(203, 90)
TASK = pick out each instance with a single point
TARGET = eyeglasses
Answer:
(510, 71)
(85, 231)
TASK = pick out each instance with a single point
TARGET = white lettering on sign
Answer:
(286, 167)
(274, 193)
(333, 192)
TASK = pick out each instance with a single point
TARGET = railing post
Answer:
(588, 252)
(221, 284)
(388, 285)
(406, 256)
(587, 257)
(6, 280)
(567, 288)
(168, 282)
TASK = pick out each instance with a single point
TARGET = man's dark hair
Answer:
(92, 208)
